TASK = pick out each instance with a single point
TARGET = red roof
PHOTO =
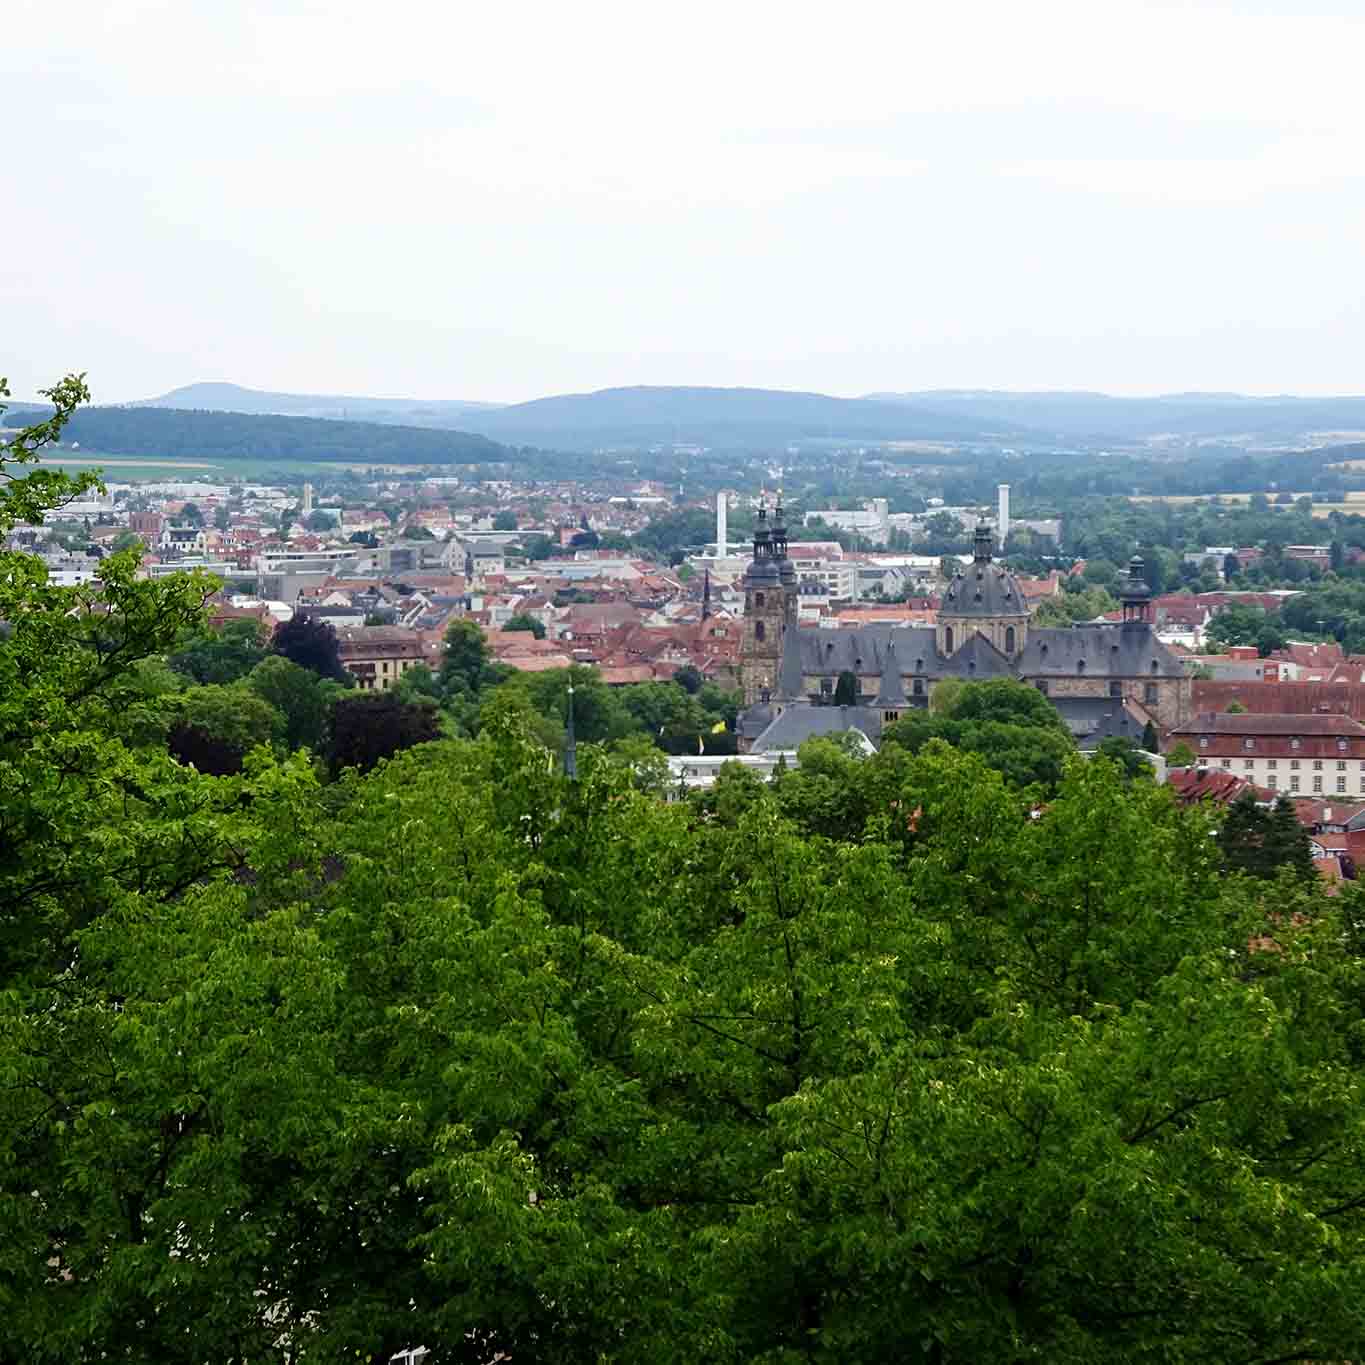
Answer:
(1250, 723)
(1213, 784)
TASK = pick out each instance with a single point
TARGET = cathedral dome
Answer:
(984, 590)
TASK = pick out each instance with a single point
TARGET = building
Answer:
(1299, 755)
(378, 656)
(982, 630)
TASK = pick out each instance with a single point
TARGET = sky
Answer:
(507, 200)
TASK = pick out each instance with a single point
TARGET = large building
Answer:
(982, 631)
(1295, 754)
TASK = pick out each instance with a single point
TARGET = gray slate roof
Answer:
(804, 721)
(1107, 651)
(983, 589)
(1092, 719)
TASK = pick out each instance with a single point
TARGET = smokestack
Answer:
(1002, 520)
(720, 526)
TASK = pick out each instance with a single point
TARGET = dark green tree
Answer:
(846, 689)
(312, 644)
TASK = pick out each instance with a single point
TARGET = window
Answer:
(1293, 762)
(759, 631)
(948, 639)
(1249, 764)
(917, 687)
(888, 716)
(1080, 665)
(758, 599)
(826, 687)
(1341, 784)
(1317, 765)
(1341, 746)
(1296, 743)
(1248, 744)
(1293, 784)
(1203, 741)
(1009, 639)
(1149, 694)
(1341, 765)
(1042, 687)
(1115, 689)
(1227, 763)
(1156, 668)
(1317, 784)
(1272, 781)
(1272, 763)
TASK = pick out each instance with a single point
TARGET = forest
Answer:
(901, 1058)
(173, 433)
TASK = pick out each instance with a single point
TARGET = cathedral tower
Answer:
(770, 596)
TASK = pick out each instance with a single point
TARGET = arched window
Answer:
(758, 630)
(758, 599)
(1080, 665)
(1156, 668)
(948, 638)
(1009, 639)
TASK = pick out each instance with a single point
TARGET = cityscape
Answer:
(682, 686)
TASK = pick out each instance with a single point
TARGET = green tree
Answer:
(312, 644)
(846, 689)
(1180, 755)
(215, 727)
(523, 621)
(298, 694)
(505, 521)
(220, 656)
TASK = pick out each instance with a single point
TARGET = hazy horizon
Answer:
(1138, 199)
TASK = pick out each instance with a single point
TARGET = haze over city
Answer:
(500, 202)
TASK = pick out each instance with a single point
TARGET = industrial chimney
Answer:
(721, 547)
(1002, 518)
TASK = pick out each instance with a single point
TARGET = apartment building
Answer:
(1299, 755)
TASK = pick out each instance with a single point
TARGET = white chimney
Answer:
(720, 526)
(1002, 520)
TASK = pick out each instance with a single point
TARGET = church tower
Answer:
(984, 600)
(770, 597)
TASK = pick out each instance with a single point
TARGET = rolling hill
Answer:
(1098, 416)
(220, 397)
(170, 433)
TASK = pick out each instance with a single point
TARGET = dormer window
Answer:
(1203, 741)
(1248, 743)
(1296, 743)
(1341, 746)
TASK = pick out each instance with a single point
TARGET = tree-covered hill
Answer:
(221, 397)
(171, 433)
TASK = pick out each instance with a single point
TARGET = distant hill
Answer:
(217, 397)
(171, 433)
(718, 417)
(1097, 416)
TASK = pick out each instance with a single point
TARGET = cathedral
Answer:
(982, 632)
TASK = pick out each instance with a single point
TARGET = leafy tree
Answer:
(312, 644)
(192, 514)
(846, 689)
(368, 727)
(1126, 754)
(523, 621)
(689, 678)
(505, 521)
(1180, 755)
(321, 521)
(1151, 741)
(214, 727)
(298, 694)
(221, 656)
(467, 666)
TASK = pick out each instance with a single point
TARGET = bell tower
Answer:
(769, 607)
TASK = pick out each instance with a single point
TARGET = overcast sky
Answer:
(504, 200)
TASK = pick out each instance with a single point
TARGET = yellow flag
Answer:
(718, 728)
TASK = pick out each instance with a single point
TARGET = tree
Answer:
(298, 694)
(1232, 566)
(312, 644)
(214, 727)
(467, 666)
(367, 727)
(523, 621)
(192, 514)
(689, 678)
(1151, 741)
(321, 521)
(221, 656)
(1180, 755)
(505, 521)
(846, 689)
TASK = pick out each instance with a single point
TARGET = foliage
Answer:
(221, 656)
(214, 727)
(298, 694)
(523, 621)
(1180, 755)
(846, 689)
(367, 727)
(312, 644)
(1263, 842)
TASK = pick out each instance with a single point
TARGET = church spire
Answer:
(570, 745)
(1135, 595)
